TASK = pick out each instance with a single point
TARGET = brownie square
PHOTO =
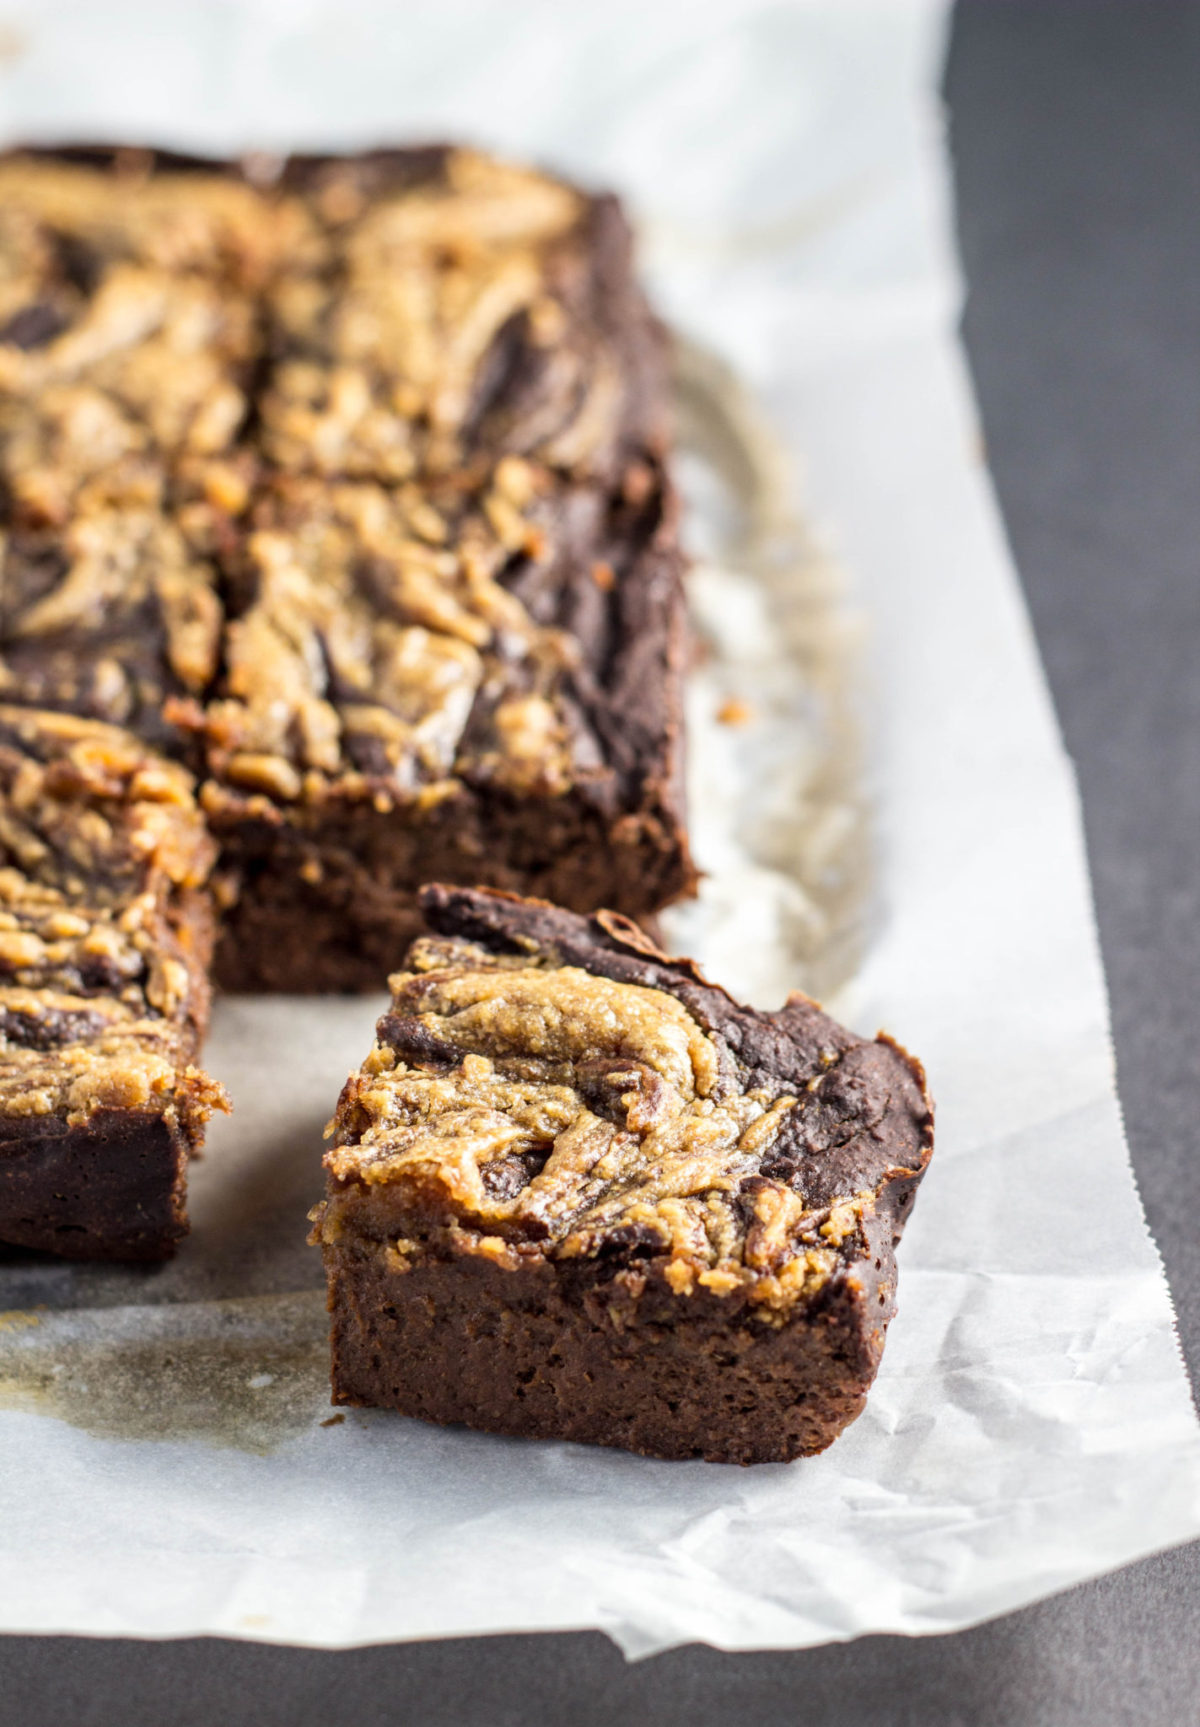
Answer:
(105, 941)
(578, 1192)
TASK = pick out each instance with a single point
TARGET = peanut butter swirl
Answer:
(401, 317)
(554, 1085)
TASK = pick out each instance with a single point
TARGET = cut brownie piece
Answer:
(578, 1192)
(105, 941)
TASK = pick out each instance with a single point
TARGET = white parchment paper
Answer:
(166, 1463)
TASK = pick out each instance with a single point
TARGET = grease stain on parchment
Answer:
(249, 1374)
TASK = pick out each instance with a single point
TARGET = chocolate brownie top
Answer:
(555, 1085)
(339, 473)
(98, 841)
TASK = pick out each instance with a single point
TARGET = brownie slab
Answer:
(344, 479)
(105, 941)
(578, 1192)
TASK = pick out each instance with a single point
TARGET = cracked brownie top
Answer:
(553, 1085)
(101, 989)
(338, 473)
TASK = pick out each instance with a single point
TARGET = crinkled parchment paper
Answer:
(170, 1461)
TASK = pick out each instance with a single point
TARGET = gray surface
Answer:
(1076, 129)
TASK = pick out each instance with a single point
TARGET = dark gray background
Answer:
(1075, 126)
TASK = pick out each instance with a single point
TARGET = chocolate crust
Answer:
(735, 1312)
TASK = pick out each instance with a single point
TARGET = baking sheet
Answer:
(171, 1464)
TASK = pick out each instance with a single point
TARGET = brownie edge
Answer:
(578, 1192)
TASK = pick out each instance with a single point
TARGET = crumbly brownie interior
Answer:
(349, 491)
(577, 1191)
(105, 942)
